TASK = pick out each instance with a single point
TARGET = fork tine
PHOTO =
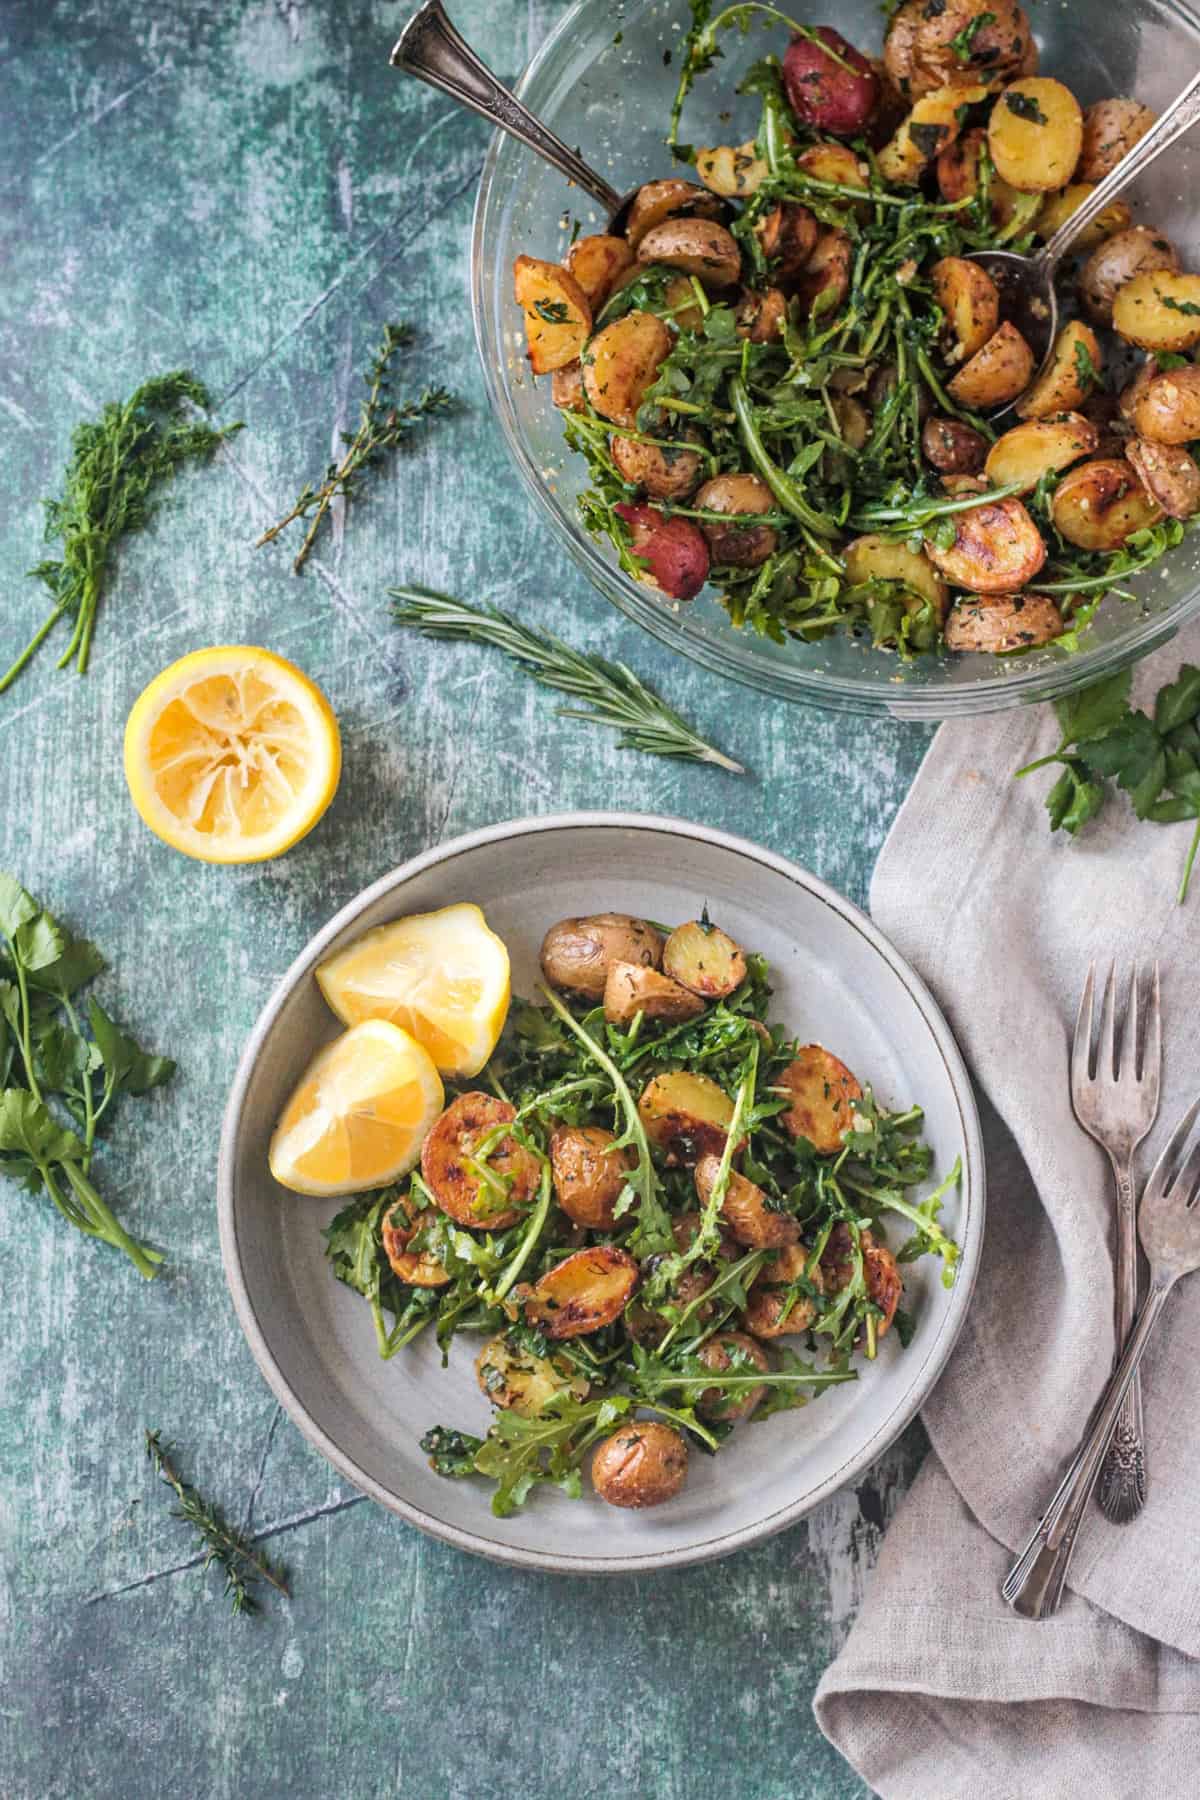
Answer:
(1162, 1176)
(1187, 1182)
(1081, 1046)
(1131, 1043)
(1152, 1055)
(1106, 1050)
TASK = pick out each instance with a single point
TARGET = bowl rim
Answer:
(924, 1376)
(734, 653)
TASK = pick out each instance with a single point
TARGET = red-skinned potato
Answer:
(673, 550)
(821, 92)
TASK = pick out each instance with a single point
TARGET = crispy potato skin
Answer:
(456, 1136)
(735, 172)
(1167, 409)
(566, 387)
(822, 1091)
(823, 93)
(1169, 475)
(933, 123)
(745, 545)
(642, 1464)
(744, 1209)
(969, 298)
(824, 282)
(704, 959)
(1138, 251)
(1062, 387)
(632, 989)
(718, 1354)
(1110, 130)
(686, 1115)
(672, 198)
(999, 622)
(521, 1382)
(768, 1315)
(621, 362)
(699, 247)
(1032, 449)
(997, 548)
(1098, 504)
(760, 316)
(1152, 311)
(953, 448)
(788, 236)
(673, 550)
(996, 374)
(663, 474)
(919, 51)
(874, 558)
(880, 1269)
(1058, 208)
(557, 332)
(577, 954)
(588, 1174)
(400, 1225)
(1036, 155)
(585, 1292)
(597, 263)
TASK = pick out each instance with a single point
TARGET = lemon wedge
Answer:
(443, 976)
(359, 1115)
(232, 754)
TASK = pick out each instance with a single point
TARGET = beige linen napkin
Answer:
(941, 1692)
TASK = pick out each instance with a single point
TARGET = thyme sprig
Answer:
(383, 425)
(610, 693)
(243, 1566)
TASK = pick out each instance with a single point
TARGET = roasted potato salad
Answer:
(512, 1376)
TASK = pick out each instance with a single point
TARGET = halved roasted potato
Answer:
(821, 1093)
(934, 122)
(566, 387)
(824, 282)
(779, 1302)
(1110, 130)
(1056, 209)
(621, 362)
(1037, 447)
(589, 1174)
(881, 1271)
(745, 1210)
(418, 1268)
(557, 315)
(761, 314)
(1169, 475)
(1035, 134)
(1159, 310)
(1068, 377)
(1000, 622)
(632, 988)
(516, 1379)
(671, 198)
(643, 1463)
(874, 558)
(597, 263)
(1099, 504)
(933, 42)
(577, 954)
(705, 959)
(970, 300)
(836, 163)
(996, 374)
(724, 1351)
(663, 473)
(1138, 251)
(733, 170)
(953, 448)
(699, 247)
(688, 1116)
(582, 1294)
(745, 545)
(997, 548)
(460, 1191)
(958, 177)
(1167, 407)
(788, 237)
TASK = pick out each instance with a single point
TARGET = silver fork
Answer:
(1169, 1225)
(1117, 1105)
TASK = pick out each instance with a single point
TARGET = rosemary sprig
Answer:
(613, 694)
(383, 425)
(118, 463)
(243, 1566)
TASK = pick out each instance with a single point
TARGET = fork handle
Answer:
(1034, 1584)
(1121, 1491)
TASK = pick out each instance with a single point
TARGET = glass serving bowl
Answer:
(604, 81)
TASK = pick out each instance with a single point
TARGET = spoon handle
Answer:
(430, 48)
(1182, 113)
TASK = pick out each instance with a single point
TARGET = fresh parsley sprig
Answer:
(611, 694)
(243, 1566)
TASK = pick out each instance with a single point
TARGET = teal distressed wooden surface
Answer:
(244, 187)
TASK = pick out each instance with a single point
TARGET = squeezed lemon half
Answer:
(443, 976)
(359, 1114)
(232, 754)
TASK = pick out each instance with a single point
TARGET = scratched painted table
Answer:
(244, 187)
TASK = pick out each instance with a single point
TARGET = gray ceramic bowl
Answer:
(836, 980)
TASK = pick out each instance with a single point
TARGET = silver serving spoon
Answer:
(430, 48)
(1026, 283)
